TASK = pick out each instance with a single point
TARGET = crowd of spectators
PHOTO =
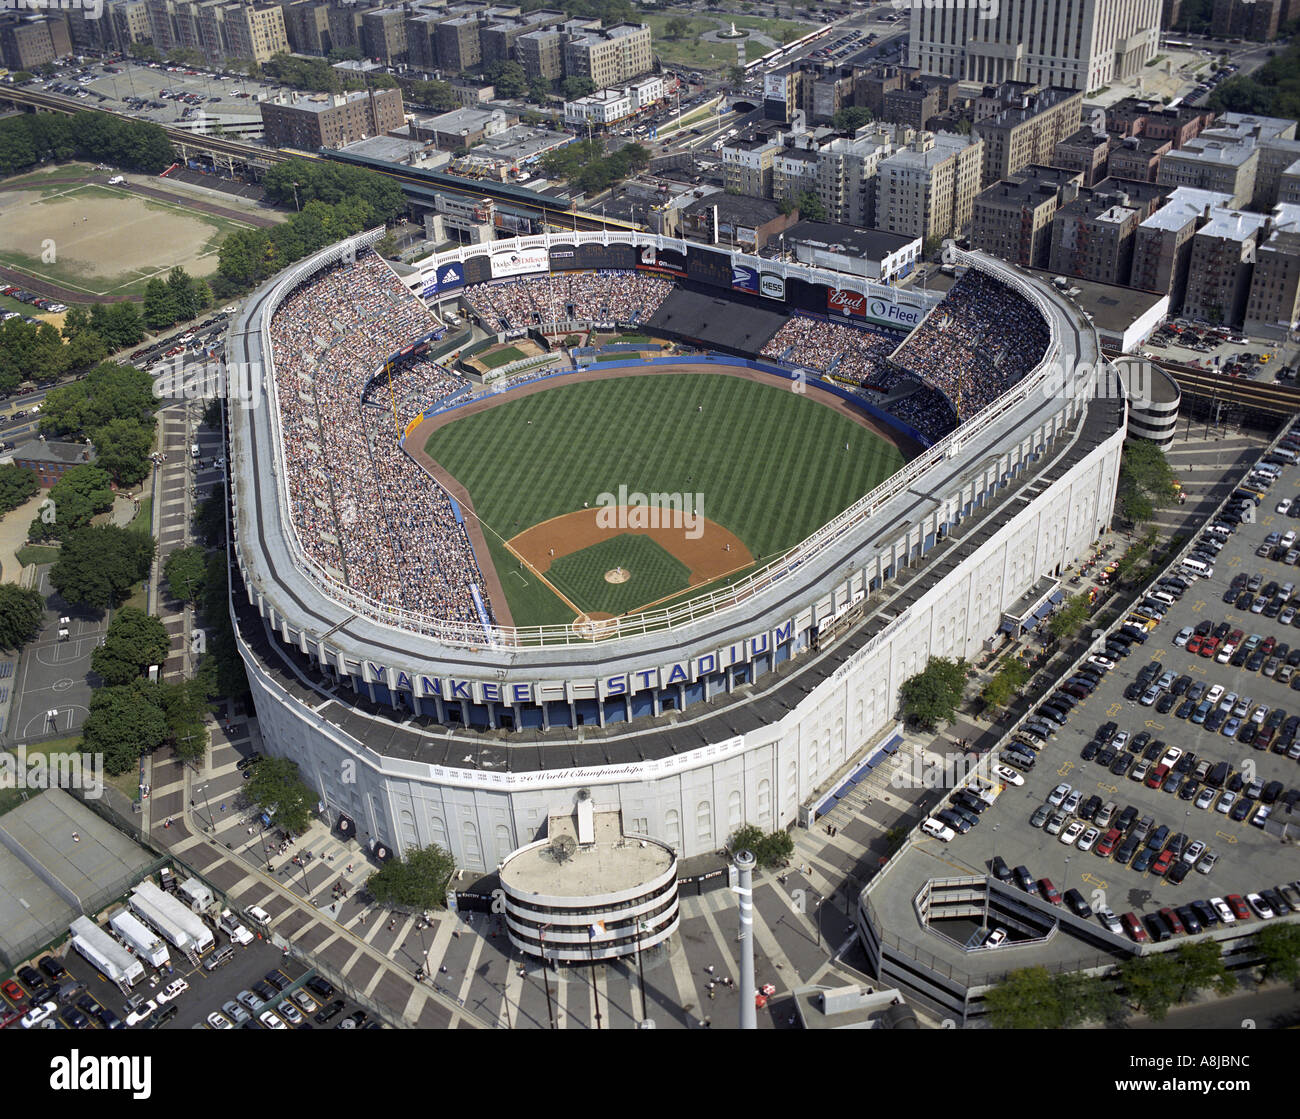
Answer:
(846, 352)
(361, 507)
(983, 338)
(627, 297)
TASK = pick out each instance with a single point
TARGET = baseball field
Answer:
(607, 493)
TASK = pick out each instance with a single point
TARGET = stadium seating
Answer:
(360, 505)
(626, 297)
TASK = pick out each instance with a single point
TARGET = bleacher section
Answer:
(361, 507)
(624, 297)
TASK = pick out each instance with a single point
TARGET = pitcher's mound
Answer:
(617, 575)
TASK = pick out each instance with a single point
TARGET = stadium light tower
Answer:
(744, 862)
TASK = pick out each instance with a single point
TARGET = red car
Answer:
(1106, 845)
(1194, 645)
(9, 1015)
(1048, 891)
(1173, 920)
(1157, 776)
(1209, 646)
(1161, 865)
(1267, 645)
(1238, 907)
(1134, 928)
(14, 993)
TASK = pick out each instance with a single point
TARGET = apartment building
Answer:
(383, 34)
(1211, 164)
(307, 26)
(330, 120)
(1029, 132)
(928, 188)
(1257, 20)
(1138, 157)
(1080, 44)
(1162, 246)
(610, 56)
(747, 166)
(1012, 219)
(1092, 237)
(28, 42)
(1222, 262)
(1273, 306)
(499, 37)
(1087, 152)
(1275, 157)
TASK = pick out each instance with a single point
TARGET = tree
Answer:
(1279, 947)
(678, 27)
(159, 310)
(123, 723)
(509, 78)
(1146, 481)
(931, 696)
(276, 787)
(772, 849)
(184, 706)
(185, 571)
(1152, 983)
(851, 118)
(98, 566)
(122, 448)
(21, 613)
(1201, 965)
(134, 641)
(417, 882)
(210, 520)
(1033, 999)
(575, 86)
(1006, 683)
(77, 496)
(1071, 616)
(810, 207)
(17, 484)
(110, 391)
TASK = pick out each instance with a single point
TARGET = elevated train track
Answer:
(420, 187)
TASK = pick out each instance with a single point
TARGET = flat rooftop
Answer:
(562, 867)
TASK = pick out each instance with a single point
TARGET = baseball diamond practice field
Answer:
(604, 493)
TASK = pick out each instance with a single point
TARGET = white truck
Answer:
(230, 925)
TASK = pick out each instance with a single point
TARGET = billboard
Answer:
(743, 278)
(451, 276)
(662, 260)
(709, 268)
(478, 270)
(562, 258)
(519, 262)
(771, 286)
(894, 314)
(841, 302)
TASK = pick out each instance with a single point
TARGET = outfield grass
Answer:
(501, 357)
(771, 465)
(655, 574)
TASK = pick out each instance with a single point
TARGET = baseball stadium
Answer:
(648, 521)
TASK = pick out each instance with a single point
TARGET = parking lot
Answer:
(1191, 832)
(1209, 347)
(257, 988)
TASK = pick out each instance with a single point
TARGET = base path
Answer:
(711, 556)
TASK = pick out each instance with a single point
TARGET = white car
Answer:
(1071, 803)
(996, 937)
(38, 1014)
(1194, 851)
(1284, 506)
(258, 915)
(173, 990)
(1007, 774)
(1262, 909)
(1058, 795)
(937, 829)
(288, 1012)
(271, 1021)
(1259, 714)
(1102, 662)
(1088, 839)
(141, 1012)
(1170, 756)
(1071, 833)
(1183, 636)
(1214, 694)
(218, 1021)
(1226, 915)
(1107, 917)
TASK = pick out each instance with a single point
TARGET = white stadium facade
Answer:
(741, 707)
